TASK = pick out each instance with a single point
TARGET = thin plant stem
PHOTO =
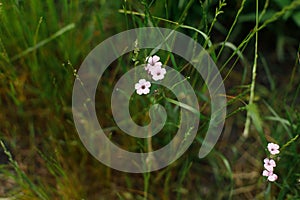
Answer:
(149, 162)
(217, 13)
(252, 86)
(289, 142)
(231, 28)
(44, 42)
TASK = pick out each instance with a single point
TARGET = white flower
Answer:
(269, 164)
(158, 73)
(273, 148)
(142, 87)
(154, 67)
(271, 176)
(265, 173)
(152, 60)
(152, 63)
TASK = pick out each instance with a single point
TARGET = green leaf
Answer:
(257, 121)
(255, 116)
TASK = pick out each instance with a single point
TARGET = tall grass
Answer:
(42, 44)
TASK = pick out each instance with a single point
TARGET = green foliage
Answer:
(42, 44)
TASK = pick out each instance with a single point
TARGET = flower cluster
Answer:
(155, 69)
(270, 163)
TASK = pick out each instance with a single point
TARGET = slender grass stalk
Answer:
(4, 54)
(268, 72)
(289, 142)
(184, 13)
(149, 161)
(217, 13)
(147, 176)
(277, 15)
(23, 179)
(279, 119)
(182, 176)
(231, 28)
(37, 31)
(252, 86)
(166, 9)
(204, 35)
(292, 79)
(244, 43)
(264, 9)
(43, 42)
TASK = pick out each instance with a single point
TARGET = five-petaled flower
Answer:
(158, 73)
(273, 148)
(271, 176)
(152, 63)
(269, 164)
(142, 87)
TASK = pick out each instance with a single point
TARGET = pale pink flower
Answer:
(265, 173)
(273, 148)
(152, 60)
(152, 63)
(271, 176)
(269, 164)
(158, 73)
(142, 87)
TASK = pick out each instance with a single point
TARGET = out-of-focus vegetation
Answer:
(42, 43)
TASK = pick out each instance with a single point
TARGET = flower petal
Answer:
(142, 81)
(155, 58)
(268, 167)
(265, 173)
(272, 163)
(146, 91)
(139, 91)
(266, 160)
(158, 64)
(163, 71)
(273, 177)
(137, 86)
(148, 84)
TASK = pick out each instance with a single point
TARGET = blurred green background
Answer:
(42, 43)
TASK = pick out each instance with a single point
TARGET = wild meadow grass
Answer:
(255, 45)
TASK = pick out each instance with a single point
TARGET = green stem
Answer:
(252, 87)
(289, 143)
(231, 28)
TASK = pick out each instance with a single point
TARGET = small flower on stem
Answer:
(273, 148)
(269, 164)
(271, 176)
(152, 63)
(158, 73)
(154, 67)
(142, 87)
